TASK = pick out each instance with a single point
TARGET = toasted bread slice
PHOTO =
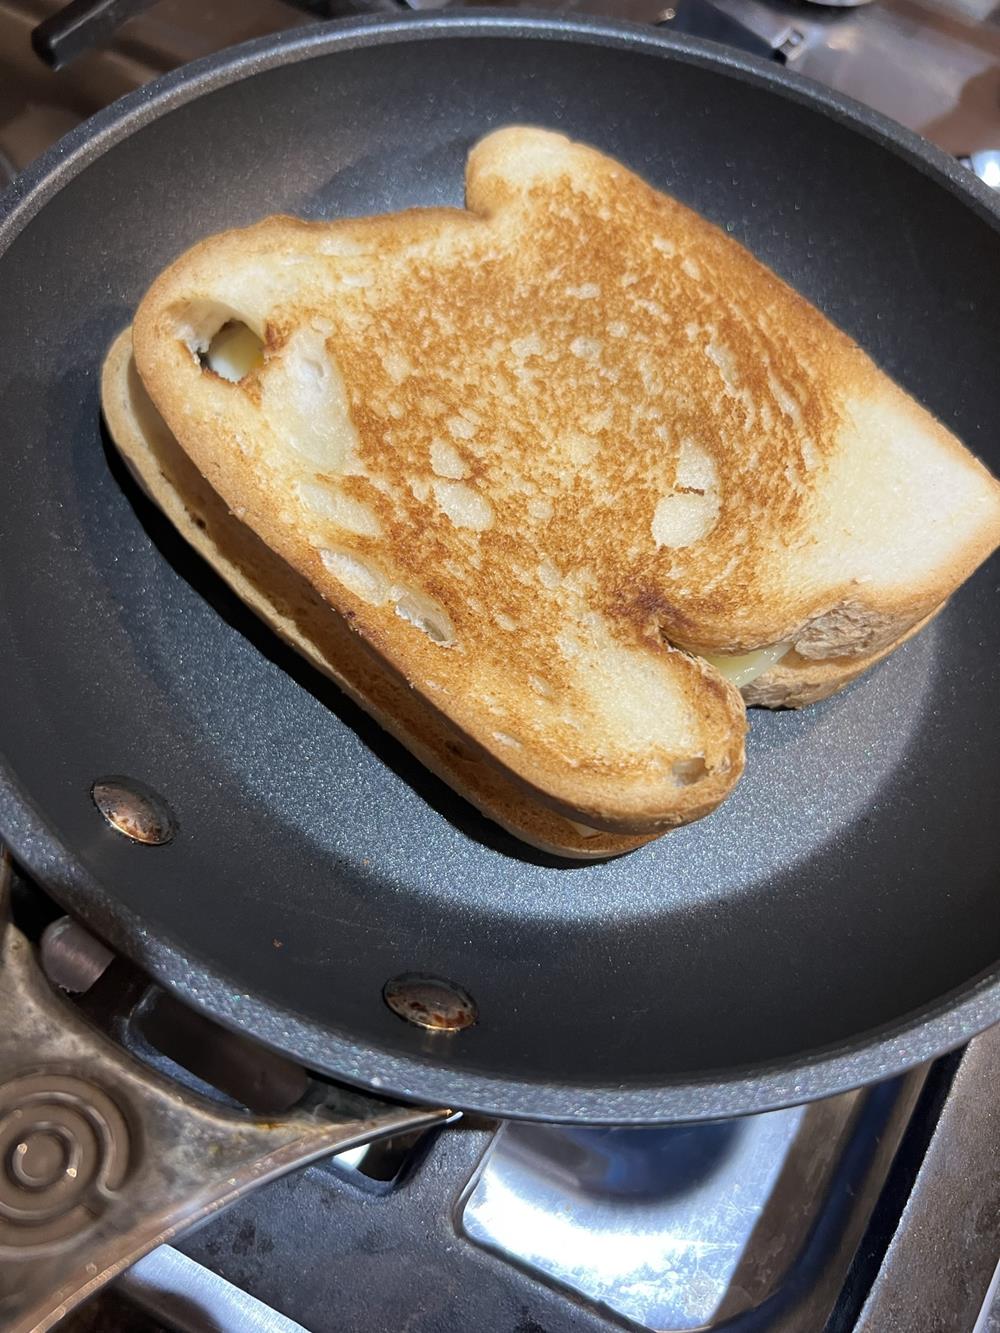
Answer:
(532, 449)
(294, 611)
(283, 599)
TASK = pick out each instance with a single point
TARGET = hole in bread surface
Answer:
(424, 614)
(328, 504)
(362, 577)
(686, 772)
(367, 581)
(234, 352)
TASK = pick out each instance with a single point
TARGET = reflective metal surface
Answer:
(134, 810)
(661, 1237)
(430, 1002)
(692, 1227)
(986, 165)
(192, 1299)
(71, 957)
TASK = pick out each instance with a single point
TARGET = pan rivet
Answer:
(134, 810)
(430, 1002)
(666, 15)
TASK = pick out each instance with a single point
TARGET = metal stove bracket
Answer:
(101, 1159)
(938, 1265)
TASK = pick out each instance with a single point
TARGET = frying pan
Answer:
(834, 922)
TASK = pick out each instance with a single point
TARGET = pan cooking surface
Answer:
(849, 882)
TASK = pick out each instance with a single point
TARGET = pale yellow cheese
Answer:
(742, 668)
(234, 352)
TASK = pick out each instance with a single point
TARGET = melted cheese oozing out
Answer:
(742, 668)
(584, 830)
(234, 352)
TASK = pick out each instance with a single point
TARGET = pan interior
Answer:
(852, 878)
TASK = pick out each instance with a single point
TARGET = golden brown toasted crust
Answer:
(788, 407)
(286, 602)
(560, 432)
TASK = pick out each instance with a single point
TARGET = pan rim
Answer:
(872, 1055)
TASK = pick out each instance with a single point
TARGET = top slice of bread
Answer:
(529, 448)
(292, 608)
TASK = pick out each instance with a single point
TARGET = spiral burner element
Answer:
(64, 1151)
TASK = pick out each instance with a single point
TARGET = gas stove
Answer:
(933, 65)
(872, 1212)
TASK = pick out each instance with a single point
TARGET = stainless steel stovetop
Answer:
(872, 1212)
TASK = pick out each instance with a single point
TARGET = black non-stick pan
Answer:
(836, 920)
